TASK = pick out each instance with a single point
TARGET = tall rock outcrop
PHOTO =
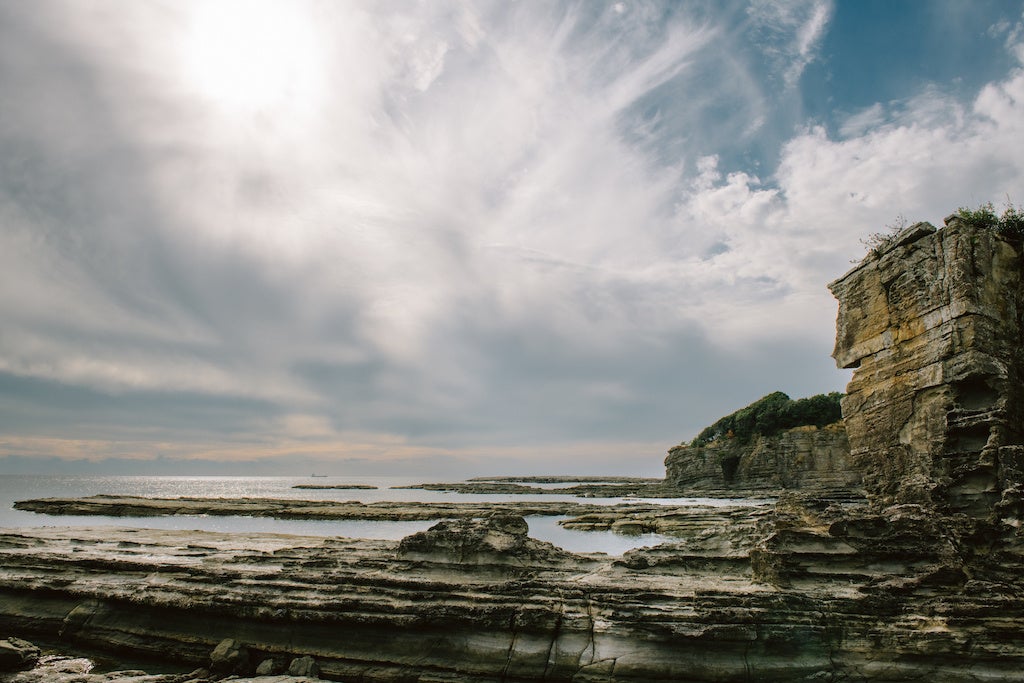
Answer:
(932, 325)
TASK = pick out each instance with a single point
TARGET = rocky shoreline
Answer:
(624, 489)
(624, 518)
(917, 579)
(24, 662)
(799, 592)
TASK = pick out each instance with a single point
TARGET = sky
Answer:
(447, 239)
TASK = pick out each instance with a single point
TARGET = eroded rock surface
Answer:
(808, 459)
(16, 654)
(59, 669)
(497, 539)
(833, 591)
(933, 327)
(624, 518)
(286, 508)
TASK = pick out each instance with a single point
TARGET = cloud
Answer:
(790, 32)
(485, 230)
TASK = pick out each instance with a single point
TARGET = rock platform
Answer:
(801, 593)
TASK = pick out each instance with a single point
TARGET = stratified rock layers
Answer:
(922, 581)
(379, 611)
(804, 458)
(933, 325)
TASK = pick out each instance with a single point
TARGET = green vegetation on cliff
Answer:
(772, 414)
(1009, 225)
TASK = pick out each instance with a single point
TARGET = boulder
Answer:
(229, 657)
(270, 667)
(17, 654)
(497, 539)
(304, 666)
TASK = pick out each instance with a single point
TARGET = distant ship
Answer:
(318, 475)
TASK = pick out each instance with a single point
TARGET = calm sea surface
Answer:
(23, 487)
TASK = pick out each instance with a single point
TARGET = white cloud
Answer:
(472, 232)
(791, 32)
(863, 121)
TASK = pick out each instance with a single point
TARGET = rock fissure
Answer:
(555, 633)
(514, 634)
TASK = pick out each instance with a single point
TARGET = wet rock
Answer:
(229, 657)
(16, 654)
(304, 666)
(497, 539)
(270, 666)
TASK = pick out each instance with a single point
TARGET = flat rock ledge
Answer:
(805, 591)
(63, 669)
(625, 518)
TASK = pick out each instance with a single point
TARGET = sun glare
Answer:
(249, 56)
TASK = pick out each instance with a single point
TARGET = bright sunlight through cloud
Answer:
(250, 56)
(505, 235)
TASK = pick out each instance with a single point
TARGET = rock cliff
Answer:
(932, 325)
(803, 458)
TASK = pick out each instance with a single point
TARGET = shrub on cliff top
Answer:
(772, 414)
(1009, 225)
(877, 242)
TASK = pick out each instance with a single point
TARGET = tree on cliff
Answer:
(770, 415)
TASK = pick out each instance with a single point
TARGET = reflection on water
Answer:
(576, 541)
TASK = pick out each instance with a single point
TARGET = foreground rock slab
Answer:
(58, 669)
(801, 593)
(17, 654)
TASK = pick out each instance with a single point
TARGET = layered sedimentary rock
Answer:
(69, 669)
(622, 517)
(922, 581)
(805, 458)
(806, 593)
(477, 601)
(286, 508)
(933, 326)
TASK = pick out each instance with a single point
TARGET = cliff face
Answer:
(804, 458)
(933, 326)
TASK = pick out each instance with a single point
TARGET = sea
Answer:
(544, 528)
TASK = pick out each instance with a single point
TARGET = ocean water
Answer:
(23, 487)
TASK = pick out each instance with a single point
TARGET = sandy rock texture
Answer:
(835, 591)
(932, 325)
(805, 458)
